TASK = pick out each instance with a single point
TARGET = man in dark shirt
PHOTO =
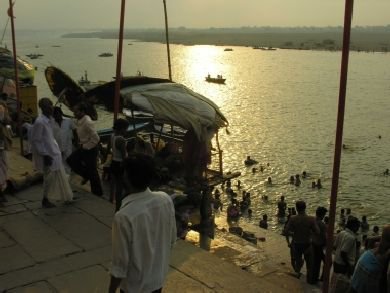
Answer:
(301, 227)
(318, 245)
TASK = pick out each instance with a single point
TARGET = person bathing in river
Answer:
(319, 185)
(282, 207)
(264, 222)
(297, 180)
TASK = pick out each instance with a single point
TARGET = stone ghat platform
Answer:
(68, 249)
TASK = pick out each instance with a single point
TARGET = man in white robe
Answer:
(47, 157)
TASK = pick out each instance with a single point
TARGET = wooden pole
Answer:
(118, 78)
(167, 39)
(338, 142)
(11, 15)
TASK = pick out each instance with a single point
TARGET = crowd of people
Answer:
(60, 146)
(358, 250)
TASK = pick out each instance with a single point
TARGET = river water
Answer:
(281, 105)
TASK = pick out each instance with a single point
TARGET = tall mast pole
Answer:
(118, 78)
(167, 39)
(338, 142)
(11, 15)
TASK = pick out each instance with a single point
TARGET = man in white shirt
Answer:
(47, 157)
(63, 128)
(143, 232)
(83, 161)
(345, 245)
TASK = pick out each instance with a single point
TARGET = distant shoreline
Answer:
(371, 39)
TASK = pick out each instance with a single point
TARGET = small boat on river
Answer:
(219, 79)
(106, 54)
(86, 84)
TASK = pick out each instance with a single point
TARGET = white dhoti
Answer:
(56, 185)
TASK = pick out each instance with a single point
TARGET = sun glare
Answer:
(204, 60)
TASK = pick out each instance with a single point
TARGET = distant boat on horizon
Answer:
(264, 48)
(228, 49)
(106, 54)
(219, 79)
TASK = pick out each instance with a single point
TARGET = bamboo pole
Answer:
(167, 39)
(219, 153)
(118, 78)
(11, 15)
(338, 142)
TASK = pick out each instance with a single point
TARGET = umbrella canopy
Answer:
(104, 94)
(67, 90)
(169, 102)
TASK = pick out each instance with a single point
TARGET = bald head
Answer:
(46, 106)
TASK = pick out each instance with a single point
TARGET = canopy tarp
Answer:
(175, 104)
(168, 102)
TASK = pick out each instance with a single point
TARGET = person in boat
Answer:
(282, 207)
(313, 184)
(292, 180)
(269, 181)
(249, 161)
(63, 129)
(304, 174)
(117, 146)
(264, 222)
(386, 172)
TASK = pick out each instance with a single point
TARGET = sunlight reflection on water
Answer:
(281, 106)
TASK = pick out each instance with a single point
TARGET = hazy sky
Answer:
(91, 14)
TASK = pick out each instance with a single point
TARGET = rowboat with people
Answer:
(219, 79)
